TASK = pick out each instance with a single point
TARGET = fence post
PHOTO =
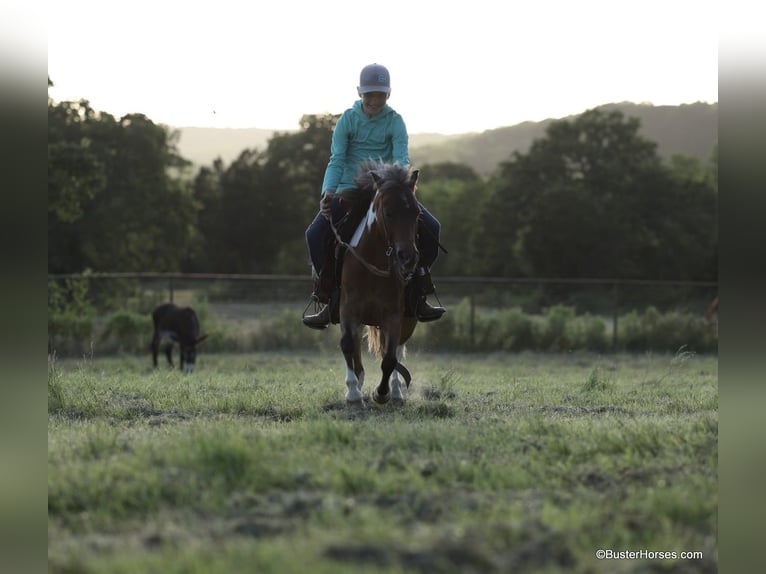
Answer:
(615, 312)
(471, 322)
(170, 287)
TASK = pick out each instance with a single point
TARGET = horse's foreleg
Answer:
(155, 347)
(358, 366)
(397, 396)
(169, 353)
(382, 394)
(349, 345)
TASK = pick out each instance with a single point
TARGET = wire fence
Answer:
(233, 295)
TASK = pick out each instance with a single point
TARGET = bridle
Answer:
(374, 269)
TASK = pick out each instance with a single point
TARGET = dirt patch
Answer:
(578, 411)
(477, 549)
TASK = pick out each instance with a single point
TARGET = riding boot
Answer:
(423, 311)
(320, 297)
(319, 320)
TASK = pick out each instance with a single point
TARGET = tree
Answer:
(113, 204)
(296, 165)
(75, 176)
(255, 212)
(207, 246)
(448, 190)
(593, 199)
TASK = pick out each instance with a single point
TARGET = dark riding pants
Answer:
(318, 232)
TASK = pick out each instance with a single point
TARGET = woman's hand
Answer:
(324, 204)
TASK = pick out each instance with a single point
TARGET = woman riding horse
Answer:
(369, 130)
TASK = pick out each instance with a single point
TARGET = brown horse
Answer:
(380, 260)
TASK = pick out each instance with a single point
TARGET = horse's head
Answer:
(396, 213)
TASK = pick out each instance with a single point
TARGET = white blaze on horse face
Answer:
(372, 215)
(357, 234)
(367, 222)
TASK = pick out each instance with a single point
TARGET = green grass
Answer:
(497, 463)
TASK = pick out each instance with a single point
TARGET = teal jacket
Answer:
(358, 138)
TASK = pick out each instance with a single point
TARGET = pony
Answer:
(176, 325)
(380, 259)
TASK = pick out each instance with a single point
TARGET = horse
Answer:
(176, 325)
(380, 259)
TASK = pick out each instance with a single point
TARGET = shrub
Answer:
(520, 330)
(55, 388)
(286, 331)
(590, 333)
(70, 317)
(127, 331)
(507, 330)
(69, 333)
(449, 333)
(555, 335)
(653, 331)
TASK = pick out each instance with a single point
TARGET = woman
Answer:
(369, 130)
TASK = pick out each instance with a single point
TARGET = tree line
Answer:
(591, 198)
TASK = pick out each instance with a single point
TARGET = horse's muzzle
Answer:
(406, 259)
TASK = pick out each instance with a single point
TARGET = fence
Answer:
(227, 293)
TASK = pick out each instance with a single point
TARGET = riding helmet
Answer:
(374, 78)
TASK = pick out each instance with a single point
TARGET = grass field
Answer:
(497, 463)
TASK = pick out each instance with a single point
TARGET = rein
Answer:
(369, 266)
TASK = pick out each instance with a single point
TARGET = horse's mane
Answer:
(392, 174)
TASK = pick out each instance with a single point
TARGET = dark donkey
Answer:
(176, 325)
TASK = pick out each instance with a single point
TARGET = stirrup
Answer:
(425, 312)
(319, 319)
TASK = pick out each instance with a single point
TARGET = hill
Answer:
(202, 146)
(690, 129)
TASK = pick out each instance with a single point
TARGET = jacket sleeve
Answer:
(400, 141)
(338, 154)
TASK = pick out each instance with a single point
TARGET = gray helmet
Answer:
(374, 78)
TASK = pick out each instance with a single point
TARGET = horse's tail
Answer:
(374, 341)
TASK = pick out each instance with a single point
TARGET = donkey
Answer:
(176, 325)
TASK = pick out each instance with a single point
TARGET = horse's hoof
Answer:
(397, 402)
(355, 404)
(380, 399)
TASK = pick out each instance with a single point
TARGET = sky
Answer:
(456, 66)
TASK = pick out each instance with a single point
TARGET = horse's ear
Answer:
(376, 178)
(200, 339)
(414, 178)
